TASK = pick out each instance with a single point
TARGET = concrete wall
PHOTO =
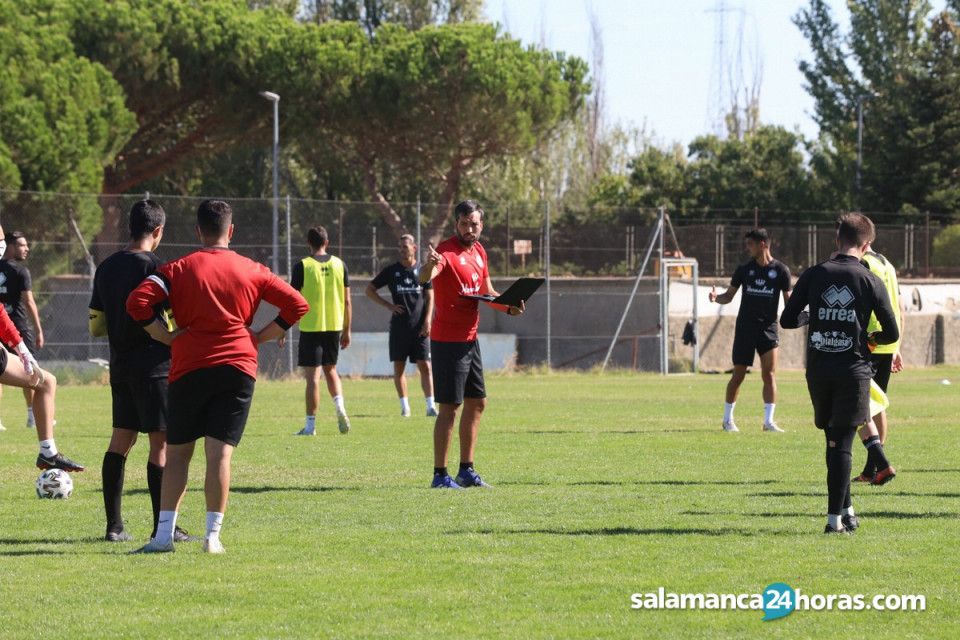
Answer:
(928, 340)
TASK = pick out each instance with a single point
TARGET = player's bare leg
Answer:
(216, 489)
(400, 382)
(442, 434)
(335, 388)
(469, 429)
(768, 371)
(312, 400)
(733, 390)
(31, 414)
(173, 488)
(426, 384)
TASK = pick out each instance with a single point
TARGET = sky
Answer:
(660, 56)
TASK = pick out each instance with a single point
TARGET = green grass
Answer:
(605, 486)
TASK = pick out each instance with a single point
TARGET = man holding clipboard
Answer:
(458, 270)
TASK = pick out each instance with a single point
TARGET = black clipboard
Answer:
(519, 291)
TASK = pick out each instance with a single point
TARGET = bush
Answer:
(946, 247)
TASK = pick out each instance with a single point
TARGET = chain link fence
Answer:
(70, 233)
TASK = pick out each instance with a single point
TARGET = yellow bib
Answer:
(323, 289)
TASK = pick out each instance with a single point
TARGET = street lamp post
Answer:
(275, 99)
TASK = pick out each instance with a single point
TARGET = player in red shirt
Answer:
(213, 293)
(458, 267)
(24, 372)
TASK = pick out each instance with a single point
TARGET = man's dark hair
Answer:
(855, 229)
(14, 236)
(758, 235)
(145, 217)
(465, 208)
(317, 237)
(214, 218)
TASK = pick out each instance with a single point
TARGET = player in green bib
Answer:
(885, 358)
(325, 329)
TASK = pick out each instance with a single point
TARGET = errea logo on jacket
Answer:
(837, 299)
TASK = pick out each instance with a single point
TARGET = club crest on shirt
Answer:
(479, 262)
(463, 260)
(772, 273)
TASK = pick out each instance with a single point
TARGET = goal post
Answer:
(682, 267)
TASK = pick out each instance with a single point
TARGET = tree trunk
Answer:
(389, 215)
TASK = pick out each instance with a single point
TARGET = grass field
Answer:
(605, 486)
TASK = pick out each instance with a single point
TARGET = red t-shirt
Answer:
(8, 331)
(214, 294)
(462, 271)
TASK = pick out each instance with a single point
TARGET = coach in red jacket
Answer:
(213, 293)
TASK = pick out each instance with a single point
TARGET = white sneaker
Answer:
(405, 413)
(431, 412)
(2, 428)
(730, 427)
(772, 426)
(306, 432)
(343, 422)
(213, 545)
(155, 547)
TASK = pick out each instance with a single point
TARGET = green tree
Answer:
(875, 65)
(439, 102)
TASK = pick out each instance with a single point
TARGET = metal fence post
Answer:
(546, 256)
(419, 258)
(289, 275)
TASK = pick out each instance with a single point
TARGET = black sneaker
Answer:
(850, 523)
(179, 535)
(58, 461)
(118, 536)
(841, 530)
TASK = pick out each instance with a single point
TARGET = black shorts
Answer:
(750, 340)
(457, 371)
(407, 343)
(139, 404)
(212, 402)
(3, 361)
(318, 348)
(881, 365)
(839, 403)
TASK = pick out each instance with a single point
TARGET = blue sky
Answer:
(659, 55)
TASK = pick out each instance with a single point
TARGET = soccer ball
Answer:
(54, 484)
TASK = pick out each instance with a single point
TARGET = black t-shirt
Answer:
(132, 350)
(296, 277)
(841, 294)
(14, 281)
(761, 288)
(406, 290)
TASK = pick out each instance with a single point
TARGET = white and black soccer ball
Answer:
(54, 484)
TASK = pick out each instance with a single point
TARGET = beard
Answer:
(467, 242)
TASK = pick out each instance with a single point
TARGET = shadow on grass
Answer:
(37, 552)
(633, 531)
(931, 470)
(891, 515)
(627, 483)
(600, 432)
(263, 489)
(822, 494)
(23, 541)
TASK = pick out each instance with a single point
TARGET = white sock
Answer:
(165, 524)
(48, 448)
(338, 403)
(768, 409)
(430, 404)
(848, 511)
(728, 411)
(834, 521)
(30, 413)
(310, 423)
(214, 523)
(405, 404)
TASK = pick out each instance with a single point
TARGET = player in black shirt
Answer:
(412, 310)
(763, 280)
(138, 365)
(841, 294)
(16, 294)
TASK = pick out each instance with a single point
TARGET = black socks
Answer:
(876, 457)
(154, 480)
(112, 476)
(440, 471)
